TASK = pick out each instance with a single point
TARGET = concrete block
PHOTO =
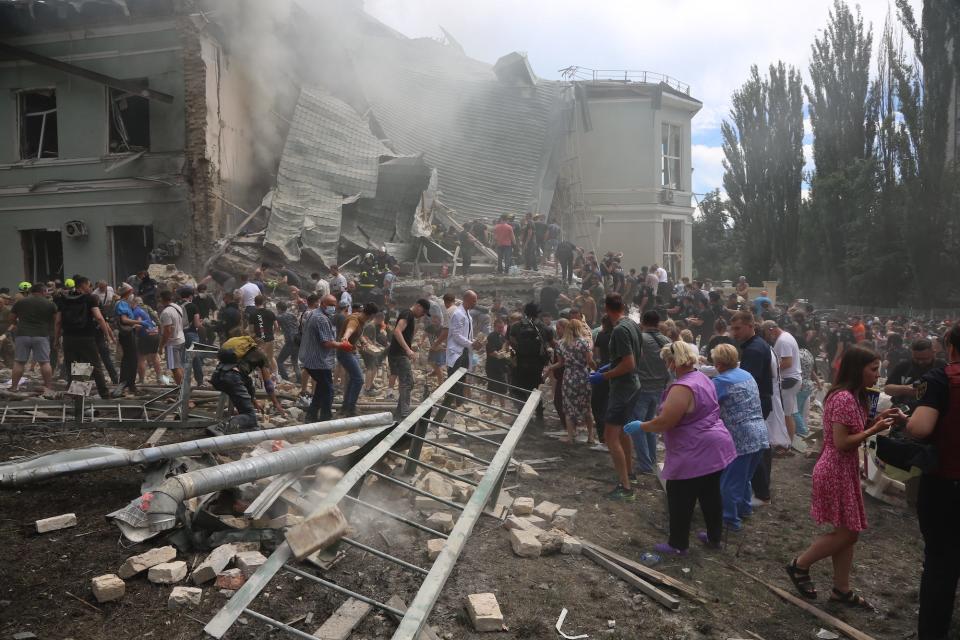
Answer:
(546, 510)
(213, 564)
(434, 547)
(527, 472)
(513, 522)
(135, 564)
(317, 532)
(423, 503)
(344, 620)
(523, 506)
(64, 521)
(537, 521)
(462, 492)
(108, 587)
(248, 562)
(484, 611)
(231, 579)
(525, 543)
(184, 597)
(571, 546)
(167, 572)
(283, 522)
(550, 541)
(436, 484)
(565, 519)
(441, 521)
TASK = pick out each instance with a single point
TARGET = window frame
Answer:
(666, 158)
(20, 119)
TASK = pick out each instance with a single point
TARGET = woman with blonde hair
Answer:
(697, 449)
(742, 414)
(576, 355)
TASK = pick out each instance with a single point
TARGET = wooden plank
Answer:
(344, 620)
(650, 574)
(836, 623)
(660, 596)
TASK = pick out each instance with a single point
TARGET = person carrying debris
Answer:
(237, 359)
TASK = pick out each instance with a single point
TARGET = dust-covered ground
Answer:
(38, 572)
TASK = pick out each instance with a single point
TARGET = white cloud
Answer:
(707, 168)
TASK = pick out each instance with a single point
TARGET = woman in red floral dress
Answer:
(837, 497)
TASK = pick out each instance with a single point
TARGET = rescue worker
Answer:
(937, 418)
(237, 359)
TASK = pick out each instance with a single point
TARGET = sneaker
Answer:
(664, 548)
(621, 494)
(599, 447)
(736, 527)
(165, 380)
(756, 502)
(632, 476)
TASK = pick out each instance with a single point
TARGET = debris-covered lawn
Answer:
(46, 587)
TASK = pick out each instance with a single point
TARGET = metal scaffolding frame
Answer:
(410, 433)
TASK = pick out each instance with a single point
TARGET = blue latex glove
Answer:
(604, 368)
(596, 378)
(633, 427)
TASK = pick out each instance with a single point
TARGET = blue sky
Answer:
(709, 44)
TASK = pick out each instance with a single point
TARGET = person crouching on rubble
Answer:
(237, 359)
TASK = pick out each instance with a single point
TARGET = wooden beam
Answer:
(136, 88)
(836, 623)
(648, 573)
(660, 596)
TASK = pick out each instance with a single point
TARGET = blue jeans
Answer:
(322, 403)
(645, 444)
(735, 488)
(798, 417)
(504, 259)
(354, 385)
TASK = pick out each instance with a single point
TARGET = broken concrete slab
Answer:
(525, 543)
(537, 521)
(523, 506)
(231, 579)
(316, 532)
(514, 522)
(436, 484)
(484, 612)
(434, 547)
(527, 472)
(546, 510)
(167, 572)
(441, 521)
(550, 541)
(135, 564)
(343, 621)
(108, 587)
(249, 561)
(213, 564)
(184, 597)
(565, 519)
(571, 546)
(55, 523)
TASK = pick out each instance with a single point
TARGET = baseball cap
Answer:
(423, 302)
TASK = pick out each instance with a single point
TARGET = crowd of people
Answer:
(634, 362)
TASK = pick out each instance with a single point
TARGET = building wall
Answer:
(620, 165)
(82, 183)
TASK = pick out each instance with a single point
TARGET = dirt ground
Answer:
(38, 572)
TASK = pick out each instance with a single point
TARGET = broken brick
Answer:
(484, 611)
(135, 564)
(434, 547)
(316, 532)
(213, 564)
(546, 510)
(184, 597)
(107, 588)
(167, 572)
(525, 543)
(64, 521)
(523, 506)
(249, 561)
(441, 521)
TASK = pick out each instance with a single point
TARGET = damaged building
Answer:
(155, 130)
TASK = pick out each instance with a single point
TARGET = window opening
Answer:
(38, 124)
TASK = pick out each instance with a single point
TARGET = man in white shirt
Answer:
(321, 287)
(788, 354)
(248, 292)
(104, 293)
(460, 340)
(661, 273)
(172, 339)
(338, 283)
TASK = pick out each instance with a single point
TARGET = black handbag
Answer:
(903, 452)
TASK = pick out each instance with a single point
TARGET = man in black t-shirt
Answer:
(192, 324)
(548, 298)
(905, 377)
(264, 323)
(78, 319)
(401, 350)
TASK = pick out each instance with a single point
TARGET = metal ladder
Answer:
(450, 398)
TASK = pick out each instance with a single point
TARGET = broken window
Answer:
(671, 135)
(42, 254)
(38, 124)
(673, 247)
(129, 122)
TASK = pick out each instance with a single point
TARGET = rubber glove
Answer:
(633, 427)
(345, 346)
(604, 368)
(596, 378)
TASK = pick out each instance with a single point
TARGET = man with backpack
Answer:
(238, 358)
(653, 375)
(529, 339)
(78, 320)
(172, 340)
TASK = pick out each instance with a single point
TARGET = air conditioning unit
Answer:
(75, 229)
(666, 196)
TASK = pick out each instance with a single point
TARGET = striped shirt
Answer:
(317, 330)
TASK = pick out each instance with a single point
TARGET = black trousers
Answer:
(104, 350)
(528, 377)
(128, 359)
(938, 511)
(239, 390)
(682, 496)
(760, 482)
(84, 349)
(566, 268)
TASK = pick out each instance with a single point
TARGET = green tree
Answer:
(763, 167)
(714, 255)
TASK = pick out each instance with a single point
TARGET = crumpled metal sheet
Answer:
(330, 158)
